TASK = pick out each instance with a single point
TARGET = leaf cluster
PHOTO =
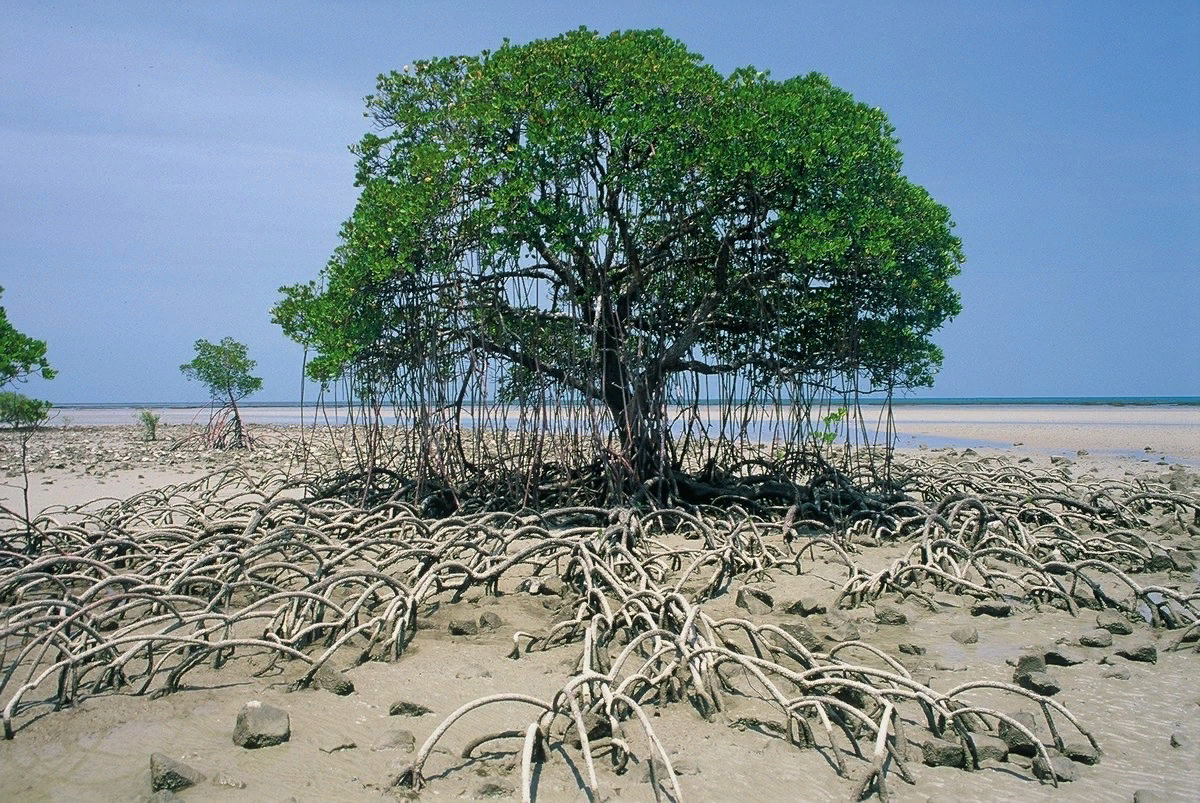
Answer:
(21, 356)
(21, 412)
(224, 368)
(608, 211)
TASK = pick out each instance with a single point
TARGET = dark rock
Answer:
(494, 790)
(991, 607)
(942, 753)
(1081, 752)
(1062, 656)
(395, 739)
(755, 601)
(965, 635)
(261, 725)
(1145, 653)
(1179, 740)
(1114, 623)
(989, 747)
(463, 627)
(1039, 682)
(403, 708)
(553, 585)
(911, 649)
(1096, 638)
(803, 634)
(806, 606)
(841, 627)
(1017, 741)
(167, 773)
(330, 678)
(1060, 460)
(597, 726)
(1030, 662)
(1181, 562)
(490, 620)
(890, 615)
(1060, 767)
(1160, 562)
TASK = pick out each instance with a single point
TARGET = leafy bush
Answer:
(149, 422)
(22, 412)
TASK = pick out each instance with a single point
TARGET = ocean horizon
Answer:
(1089, 401)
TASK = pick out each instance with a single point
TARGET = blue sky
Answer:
(165, 167)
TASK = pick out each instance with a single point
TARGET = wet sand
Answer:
(99, 750)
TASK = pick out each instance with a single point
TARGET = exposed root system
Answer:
(131, 595)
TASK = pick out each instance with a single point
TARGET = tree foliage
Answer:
(21, 412)
(224, 368)
(611, 218)
(21, 356)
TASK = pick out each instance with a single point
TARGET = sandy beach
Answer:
(1144, 715)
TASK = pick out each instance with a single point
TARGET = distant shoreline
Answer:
(940, 401)
(1170, 430)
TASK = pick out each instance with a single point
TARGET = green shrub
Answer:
(149, 422)
(22, 412)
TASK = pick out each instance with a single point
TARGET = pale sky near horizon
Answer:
(165, 167)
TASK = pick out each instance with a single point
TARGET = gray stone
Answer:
(1148, 796)
(1017, 741)
(1096, 638)
(1160, 562)
(1061, 767)
(403, 708)
(490, 620)
(336, 744)
(1179, 740)
(167, 773)
(472, 671)
(965, 635)
(911, 649)
(755, 601)
(803, 634)
(1039, 682)
(1030, 662)
(330, 678)
(1145, 653)
(942, 753)
(553, 585)
(463, 627)
(494, 790)
(890, 615)
(1181, 562)
(1114, 623)
(1116, 674)
(395, 739)
(841, 627)
(991, 607)
(164, 796)
(989, 747)
(1081, 752)
(806, 606)
(261, 725)
(228, 781)
(1063, 656)
(1060, 460)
